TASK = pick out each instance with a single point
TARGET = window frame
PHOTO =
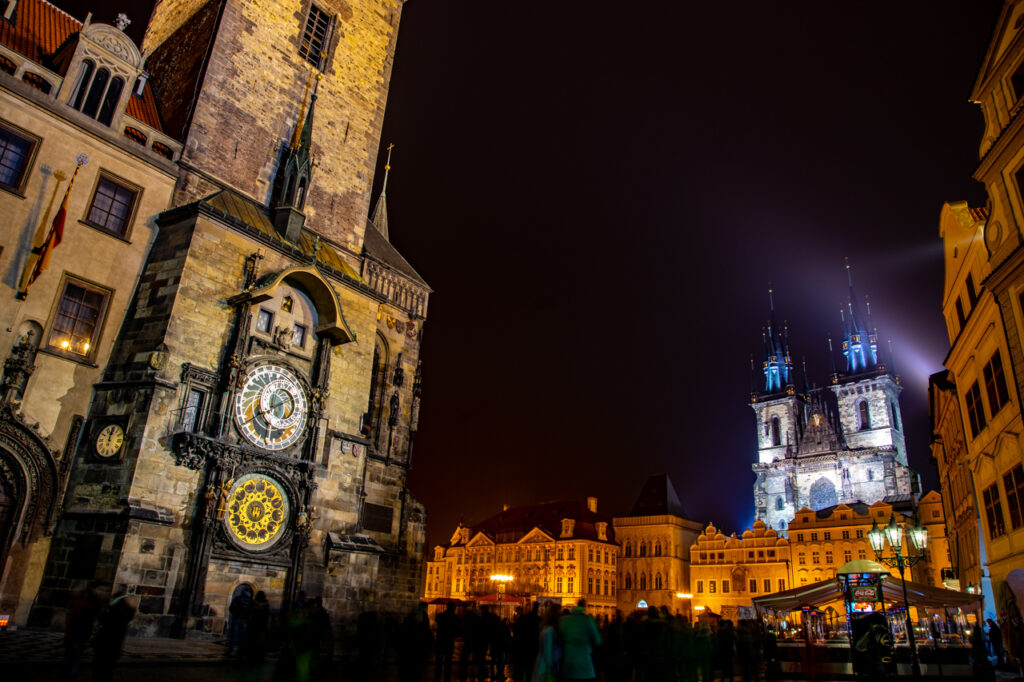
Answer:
(129, 221)
(996, 389)
(1013, 486)
(97, 332)
(328, 38)
(993, 505)
(30, 158)
(194, 378)
(975, 409)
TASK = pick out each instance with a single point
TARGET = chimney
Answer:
(592, 504)
(9, 13)
(140, 84)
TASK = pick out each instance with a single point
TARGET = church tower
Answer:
(777, 406)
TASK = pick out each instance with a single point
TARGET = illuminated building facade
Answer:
(235, 404)
(819, 447)
(558, 551)
(984, 312)
(956, 480)
(654, 542)
(822, 541)
(727, 572)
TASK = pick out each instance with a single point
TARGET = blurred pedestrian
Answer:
(726, 650)
(525, 635)
(85, 606)
(414, 640)
(579, 638)
(549, 651)
(256, 631)
(110, 638)
(447, 631)
(703, 649)
(995, 640)
(238, 617)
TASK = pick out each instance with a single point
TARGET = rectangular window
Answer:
(558, 585)
(771, 553)
(814, 537)
(975, 410)
(571, 553)
(828, 535)
(1013, 483)
(846, 535)
(569, 584)
(753, 585)
(767, 584)
(725, 586)
(264, 321)
(750, 554)
(377, 517)
(590, 554)
(799, 537)
(800, 559)
(828, 557)
(193, 408)
(995, 384)
(814, 558)
(76, 323)
(700, 587)
(299, 337)
(994, 511)
(316, 37)
(112, 206)
(16, 151)
(860, 533)
(712, 587)
(862, 554)
(590, 586)
(782, 584)
(847, 556)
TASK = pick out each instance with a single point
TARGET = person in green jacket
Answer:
(579, 636)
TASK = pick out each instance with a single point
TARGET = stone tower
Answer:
(253, 428)
(820, 447)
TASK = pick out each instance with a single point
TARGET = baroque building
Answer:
(554, 552)
(818, 447)
(654, 541)
(222, 384)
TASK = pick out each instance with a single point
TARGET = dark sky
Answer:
(600, 195)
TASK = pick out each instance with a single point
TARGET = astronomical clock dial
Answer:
(257, 512)
(109, 440)
(271, 407)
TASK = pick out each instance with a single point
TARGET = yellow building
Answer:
(557, 551)
(984, 266)
(822, 541)
(654, 543)
(727, 572)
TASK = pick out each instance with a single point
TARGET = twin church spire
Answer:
(859, 345)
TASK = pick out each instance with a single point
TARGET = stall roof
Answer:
(827, 591)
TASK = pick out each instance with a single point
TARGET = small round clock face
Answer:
(257, 511)
(109, 440)
(271, 408)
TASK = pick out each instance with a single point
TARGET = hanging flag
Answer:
(39, 259)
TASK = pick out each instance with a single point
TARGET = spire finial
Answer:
(771, 297)
(849, 274)
(380, 213)
(387, 169)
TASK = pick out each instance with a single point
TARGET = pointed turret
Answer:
(294, 176)
(860, 342)
(778, 366)
(380, 212)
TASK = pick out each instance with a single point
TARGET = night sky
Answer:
(601, 195)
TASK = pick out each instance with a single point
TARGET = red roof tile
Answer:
(144, 108)
(38, 30)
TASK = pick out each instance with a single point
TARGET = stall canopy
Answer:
(828, 591)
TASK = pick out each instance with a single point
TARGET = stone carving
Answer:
(115, 42)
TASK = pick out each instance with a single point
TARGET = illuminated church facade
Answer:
(840, 444)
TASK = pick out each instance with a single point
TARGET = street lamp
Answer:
(893, 535)
(502, 580)
(687, 596)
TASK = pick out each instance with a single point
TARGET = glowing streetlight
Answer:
(502, 580)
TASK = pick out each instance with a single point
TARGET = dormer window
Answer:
(98, 94)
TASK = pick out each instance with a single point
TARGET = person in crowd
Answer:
(447, 631)
(579, 638)
(370, 637)
(85, 606)
(726, 650)
(995, 641)
(110, 637)
(549, 651)
(414, 642)
(238, 618)
(654, 661)
(703, 645)
(525, 635)
(616, 653)
(686, 652)
(256, 632)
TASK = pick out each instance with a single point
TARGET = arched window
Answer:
(776, 432)
(627, 581)
(98, 94)
(84, 79)
(643, 548)
(300, 195)
(375, 405)
(657, 548)
(628, 550)
(865, 415)
(97, 87)
(643, 581)
(779, 504)
(110, 101)
(657, 581)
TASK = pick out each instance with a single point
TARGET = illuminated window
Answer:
(994, 511)
(76, 323)
(113, 205)
(1013, 483)
(712, 587)
(316, 38)
(995, 384)
(299, 336)
(700, 587)
(975, 410)
(16, 151)
(264, 320)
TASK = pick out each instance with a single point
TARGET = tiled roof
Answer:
(241, 209)
(513, 523)
(38, 30)
(144, 108)
(379, 248)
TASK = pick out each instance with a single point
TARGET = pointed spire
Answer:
(778, 366)
(380, 213)
(807, 389)
(306, 136)
(860, 339)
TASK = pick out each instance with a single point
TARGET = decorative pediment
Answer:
(114, 41)
(481, 540)
(536, 535)
(332, 322)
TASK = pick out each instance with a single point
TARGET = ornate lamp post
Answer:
(892, 535)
